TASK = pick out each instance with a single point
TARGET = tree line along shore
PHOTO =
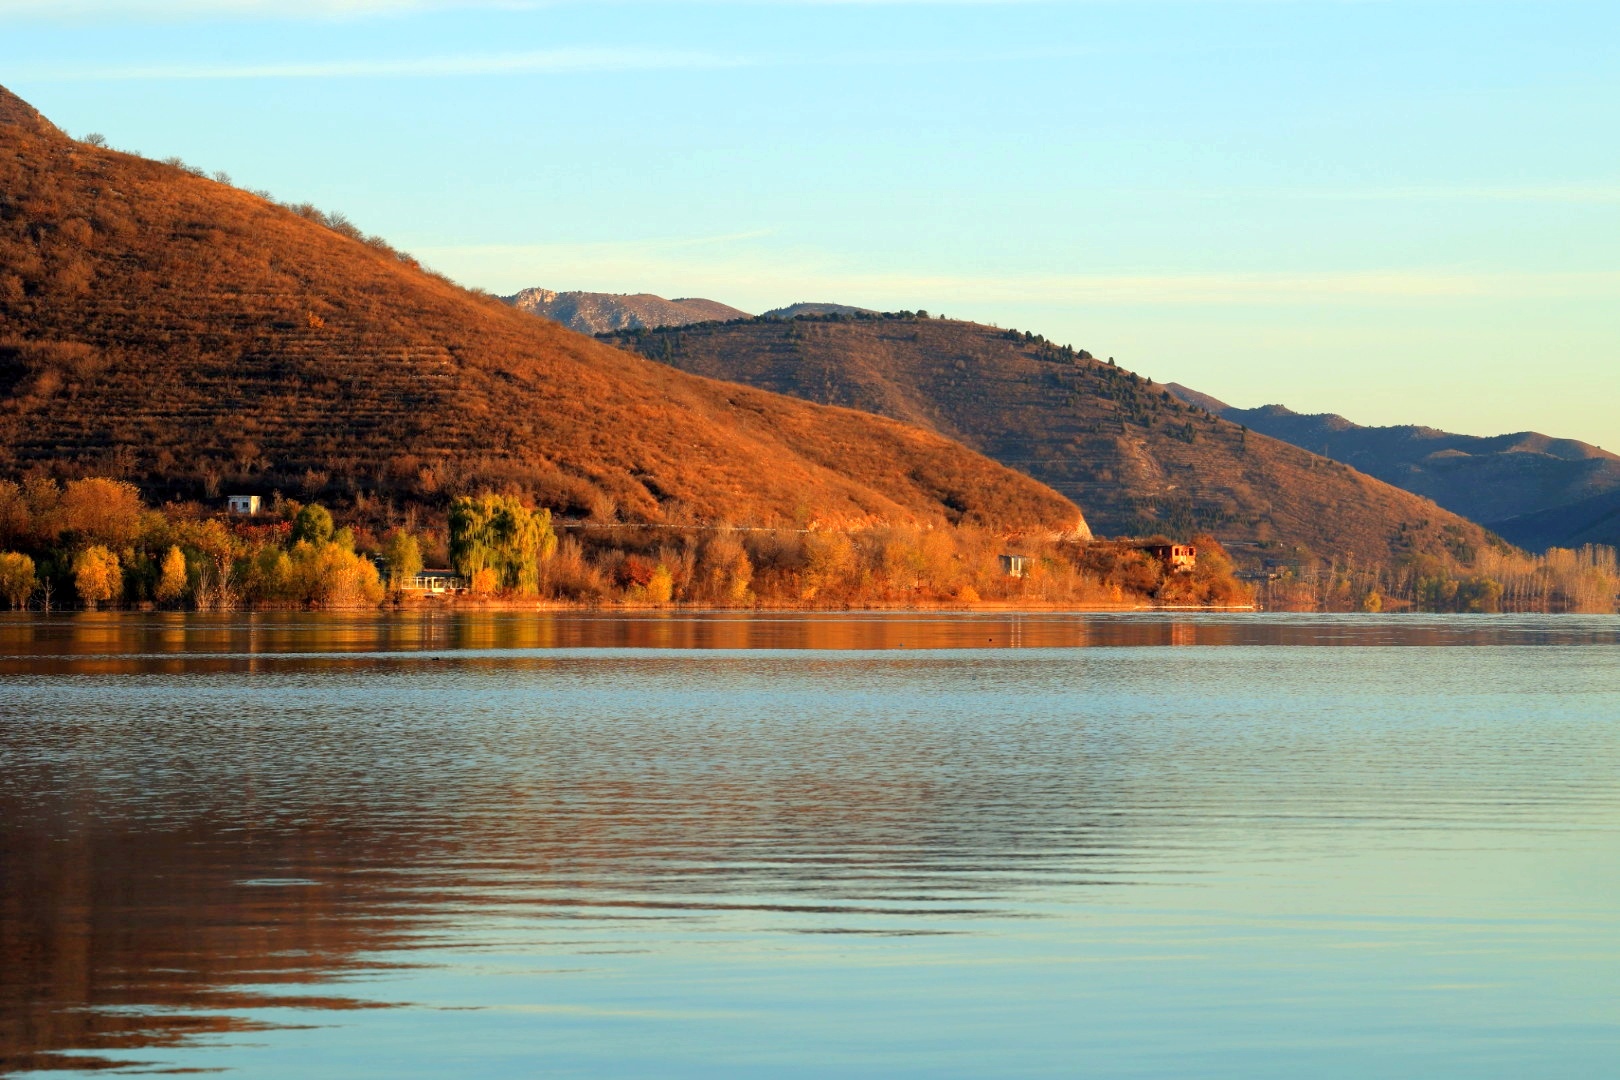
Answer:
(95, 543)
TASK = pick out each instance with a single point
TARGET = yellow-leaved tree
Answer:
(16, 577)
(171, 583)
(95, 575)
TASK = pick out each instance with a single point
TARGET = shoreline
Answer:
(436, 606)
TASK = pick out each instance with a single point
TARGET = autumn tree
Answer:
(171, 583)
(16, 578)
(15, 519)
(661, 586)
(101, 511)
(331, 575)
(95, 575)
(829, 561)
(724, 569)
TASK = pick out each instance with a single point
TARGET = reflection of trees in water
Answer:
(172, 643)
(119, 937)
(425, 792)
(155, 896)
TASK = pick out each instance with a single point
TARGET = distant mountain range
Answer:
(1139, 460)
(1532, 489)
(602, 313)
(599, 313)
(197, 339)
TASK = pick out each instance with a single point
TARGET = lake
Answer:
(1046, 845)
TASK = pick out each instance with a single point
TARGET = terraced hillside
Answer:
(1138, 459)
(162, 327)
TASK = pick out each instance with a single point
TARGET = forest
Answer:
(94, 543)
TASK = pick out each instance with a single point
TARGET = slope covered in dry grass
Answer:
(1139, 460)
(162, 327)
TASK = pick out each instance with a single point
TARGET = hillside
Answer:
(197, 339)
(1137, 459)
(1595, 520)
(1491, 480)
(597, 313)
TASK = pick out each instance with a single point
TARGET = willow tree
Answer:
(500, 534)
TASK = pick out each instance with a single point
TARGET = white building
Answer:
(243, 504)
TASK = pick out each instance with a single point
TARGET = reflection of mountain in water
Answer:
(118, 936)
(271, 856)
(269, 824)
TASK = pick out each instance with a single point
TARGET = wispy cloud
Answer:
(139, 9)
(544, 61)
(68, 10)
(1505, 193)
(561, 61)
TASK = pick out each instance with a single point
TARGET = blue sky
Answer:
(1400, 211)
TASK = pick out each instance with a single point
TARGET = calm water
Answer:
(954, 846)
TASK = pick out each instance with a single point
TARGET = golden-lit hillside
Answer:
(1138, 459)
(166, 328)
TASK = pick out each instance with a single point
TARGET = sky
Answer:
(1402, 212)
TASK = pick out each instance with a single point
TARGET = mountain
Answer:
(197, 339)
(596, 313)
(1595, 520)
(1138, 460)
(794, 311)
(1496, 481)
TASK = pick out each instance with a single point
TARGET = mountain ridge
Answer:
(1139, 461)
(195, 338)
(1499, 481)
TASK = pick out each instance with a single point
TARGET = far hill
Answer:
(1139, 460)
(1494, 480)
(597, 313)
(1590, 521)
(198, 339)
(794, 311)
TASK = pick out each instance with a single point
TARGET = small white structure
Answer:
(1014, 565)
(436, 581)
(243, 504)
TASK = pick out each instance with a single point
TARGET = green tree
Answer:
(403, 553)
(500, 534)
(16, 578)
(313, 523)
(1479, 594)
(95, 575)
